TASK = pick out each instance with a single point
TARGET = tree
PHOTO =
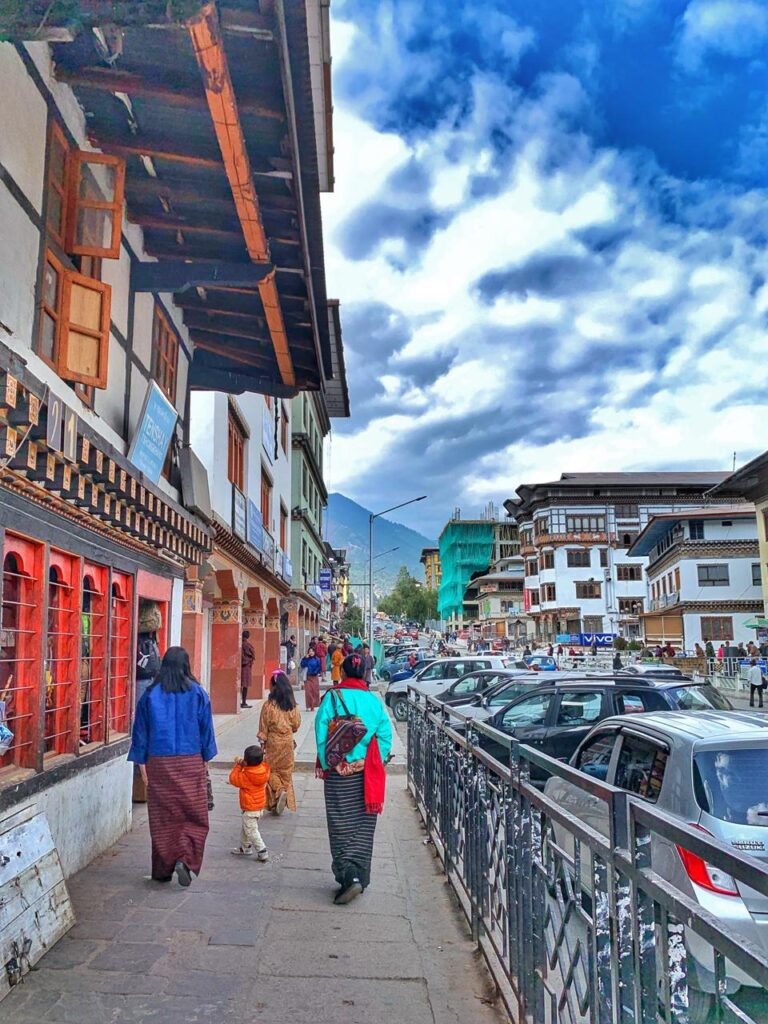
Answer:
(409, 599)
(352, 620)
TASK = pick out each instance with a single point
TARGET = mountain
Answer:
(346, 526)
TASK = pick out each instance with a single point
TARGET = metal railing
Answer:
(576, 926)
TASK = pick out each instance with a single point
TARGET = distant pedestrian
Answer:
(290, 647)
(526, 651)
(740, 651)
(337, 657)
(251, 774)
(280, 720)
(698, 650)
(594, 648)
(756, 681)
(550, 650)
(368, 663)
(172, 741)
(321, 650)
(312, 683)
(617, 662)
(560, 650)
(721, 652)
(148, 657)
(354, 779)
(709, 648)
(247, 658)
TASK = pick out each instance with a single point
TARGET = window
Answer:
(548, 592)
(757, 576)
(508, 693)
(627, 512)
(640, 768)
(677, 581)
(283, 527)
(696, 527)
(526, 538)
(603, 558)
(592, 624)
(588, 590)
(60, 671)
(284, 427)
(531, 567)
(712, 575)
(595, 756)
(578, 559)
(534, 596)
(531, 711)
(730, 784)
(236, 455)
(94, 204)
(266, 500)
(630, 606)
(547, 560)
(57, 184)
(120, 661)
(93, 655)
(629, 573)
(627, 539)
(630, 702)
(579, 707)
(165, 350)
(470, 684)
(585, 524)
(701, 697)
(541, 526)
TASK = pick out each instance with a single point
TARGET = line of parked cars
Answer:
(654, 732)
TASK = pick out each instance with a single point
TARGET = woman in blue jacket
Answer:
(312, 683)
(172, 741)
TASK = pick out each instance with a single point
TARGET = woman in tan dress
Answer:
(280, 719)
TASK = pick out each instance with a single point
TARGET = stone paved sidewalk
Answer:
(263, 942)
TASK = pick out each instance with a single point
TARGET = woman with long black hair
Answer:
(355, 783)
(172, 741)
(280, 719)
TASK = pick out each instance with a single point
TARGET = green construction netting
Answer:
(465, 548)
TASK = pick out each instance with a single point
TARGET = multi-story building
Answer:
(310, 610)
(751, 482)
(160, 232)
(704, 578)
(430, 559)
(575, 538)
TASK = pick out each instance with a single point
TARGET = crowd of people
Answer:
(173, 742)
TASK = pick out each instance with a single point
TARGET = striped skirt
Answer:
(178, 813)
(350, 828)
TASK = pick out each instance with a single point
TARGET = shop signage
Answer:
(601, 639)
(268, 550)
(255, 526)
(287, 569)
(268, 432)
(325, 579)
(156, 426)
(239, 514)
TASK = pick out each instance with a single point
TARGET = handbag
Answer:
(344, 732)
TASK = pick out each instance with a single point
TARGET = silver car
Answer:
(709, 768)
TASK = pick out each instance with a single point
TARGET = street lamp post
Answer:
(371, 517)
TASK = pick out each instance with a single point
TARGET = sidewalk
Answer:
(250, 941)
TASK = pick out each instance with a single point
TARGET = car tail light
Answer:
(706, 875)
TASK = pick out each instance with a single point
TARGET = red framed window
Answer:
(61, 665)
(266, 501)
(120, 660)
(236, 454)
(165, 344)
(93, 655)
(20, 649)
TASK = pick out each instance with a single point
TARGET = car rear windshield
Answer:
(702, 697)
(730, 784)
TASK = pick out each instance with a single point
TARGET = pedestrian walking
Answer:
(172, 741)
(321, 650)
(247, 658)
(756, 681)
(337, 657)
(617, 663)
(280, 719)
(709, 648)
(250, 775)
(698, 650)
(369, 663)
(312, 682)
(290, 647)
(350, 760)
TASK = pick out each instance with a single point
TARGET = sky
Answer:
(548, 235)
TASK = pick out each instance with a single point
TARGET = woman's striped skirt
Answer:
(178, 813)
(350, 828)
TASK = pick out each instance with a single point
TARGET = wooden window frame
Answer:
(283, 527)
(548, 592)
(54, 314)
(265, 501)
(56, 135)
(165, 354)
(120, 656)
(62, 700)
(93, 731)
(575, 558)
(77, 158)
(75, 279)
(629, 573)
(592, 585)
(235, 452)
(716, 633)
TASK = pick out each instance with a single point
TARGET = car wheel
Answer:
(400, 709)
(385, 674)
(700, 1006)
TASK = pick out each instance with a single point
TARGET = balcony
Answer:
(665, 601)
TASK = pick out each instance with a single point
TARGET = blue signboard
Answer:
(601, 639)
(325, 579)
(255, 526)
(156, 426)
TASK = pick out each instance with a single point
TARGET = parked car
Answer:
(400, 662)
(545, 662)
(653, 670)
(557, 717)
(503, 687)
(708, 768)
(469, 689)
(435, 676)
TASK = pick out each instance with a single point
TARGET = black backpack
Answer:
(147, 658)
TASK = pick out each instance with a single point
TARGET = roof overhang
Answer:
(211, 106)
(336, 389)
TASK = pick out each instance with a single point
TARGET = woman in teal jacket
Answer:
(354, 789)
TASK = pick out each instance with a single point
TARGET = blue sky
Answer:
(548, 235)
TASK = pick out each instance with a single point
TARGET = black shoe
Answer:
(183, 873)
(349, 892)
(246, 705)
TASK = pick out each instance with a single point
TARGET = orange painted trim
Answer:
(205, 33)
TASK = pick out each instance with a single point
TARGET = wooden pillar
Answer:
(225, 656)
(192, 624)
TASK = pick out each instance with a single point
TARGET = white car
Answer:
(435, 677)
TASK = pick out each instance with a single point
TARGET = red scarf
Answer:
(374, 776)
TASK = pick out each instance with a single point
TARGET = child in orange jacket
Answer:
(250, 775)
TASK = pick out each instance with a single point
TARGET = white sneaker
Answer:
(262, 855)
(240, 852)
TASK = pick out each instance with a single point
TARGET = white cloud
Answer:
(735, 28)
